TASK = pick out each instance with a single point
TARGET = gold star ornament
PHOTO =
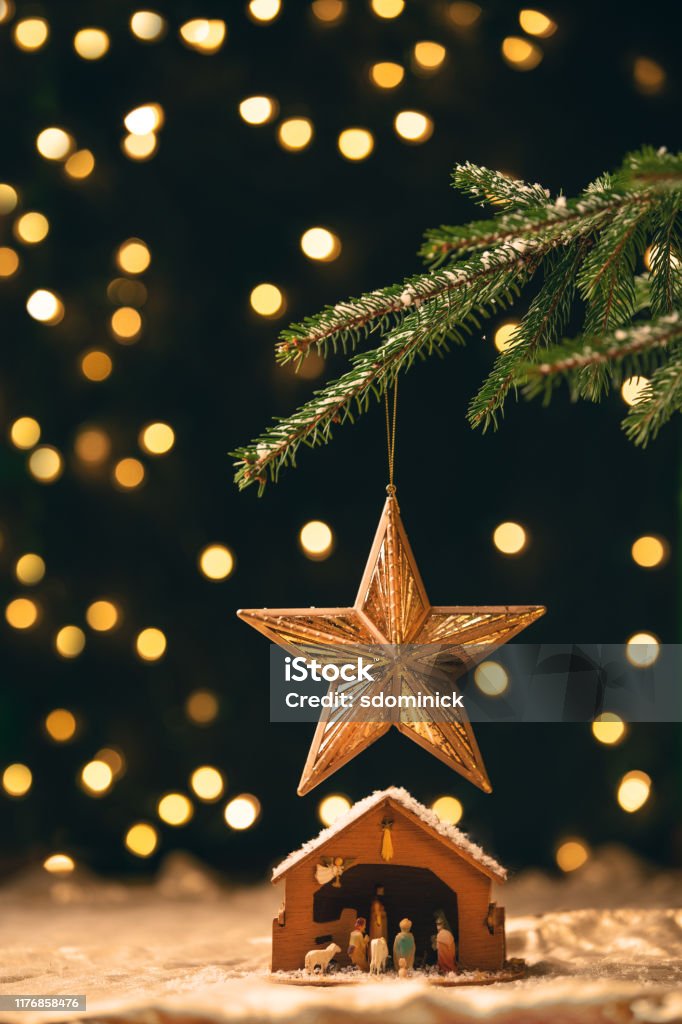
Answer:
(392, 609)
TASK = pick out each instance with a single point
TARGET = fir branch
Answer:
(659, 401)
(665, 257)
(488, 187)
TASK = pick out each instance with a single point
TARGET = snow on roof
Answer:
(406, 800)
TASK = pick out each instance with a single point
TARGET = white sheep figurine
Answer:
(379, 955)
(318, 959)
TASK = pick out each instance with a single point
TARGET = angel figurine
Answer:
(332, 868)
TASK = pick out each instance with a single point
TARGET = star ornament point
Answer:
(392, 608)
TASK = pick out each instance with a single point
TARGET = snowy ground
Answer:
(604, 944)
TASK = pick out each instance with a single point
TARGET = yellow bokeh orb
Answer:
(45, 464)
(642, 649)
(295, 133)
(9, 261)
(332, 807)
(22, 613)
(17, 779)
(320, 244)
(649, 76)
(54, 144)
(133, 256)
(25, 432)
(632, 390)
(202, 707)
(464, 14)
(535, 23)
(413, 126)
(316, 539)
(96, 777)
(145, 119)
(8, 198)
(96, 365)
(429, 56)
(355, 143)
(491, 678)
(521, 54)
(126, 324)
(31, 228)
(92, 445)
(102, 615)
(608, 728)
(571, 854)
(205, 35)
(61, 725)
(264, 10)
(128, 474)
(650, 552)
(328, 12)
(29, 569)
(148, 26)
(387, 9)
(45, 306)
(70, 641)
(31, 33)
(634, 790)
(448, 808)
(216, 562)
(175, 809)
(59, 864)
(112, 757)
(510, 538)
(142, 839)
(267, 300)
(91, 43)
(140, 147)
(257, 109)
(242, 812)
(157, 438)
(504, 334)
(150, 644)
(386, 74)
(207, 783)
(80, 165)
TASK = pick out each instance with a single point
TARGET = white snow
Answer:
(402, 797)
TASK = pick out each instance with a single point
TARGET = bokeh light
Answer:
(45, 306)
(649, 76)
(535, 23)
(295, 133)
(316, 539)
(267, 300)
(429, 56)
(128, 474)
(142, 839)
(175, 809)
(632, 389)
(91, 43)
(242, 812)
(17, 779)
(387, 9)
(150, 644)
(156, 438)
(126, 324)
(205, 35)
(96, 777)
(571, 854)
(650, 552)
(320, 244)
(642, 649)
(102, 615)
(464, 14)
(96, 365)
(25, 432)
(59, 864)
(140, 147)
(113, 757)
(22, 613)
(216, 562)
(80, 165)
(92, 445)
(145, 119)
(521, 54)
(6, 10)
(491, 678)
(257, 109)
(148, 26)
(202, 707)
(332, 807)
(634, 790)
(413, 126)
(608, 728)
(133, 256)
(29, 569)
(386, 74)
(328, 12)
(45, 464)
(9, 261)
(355, 143)
(510, 538)
(70, 641)
(504, 334)
(61, 725)
(123, 291)
(448, 808)
(264, 10)
(54, 144)
(207, 783)
(31, 34)
(31, 227)
(8, 198)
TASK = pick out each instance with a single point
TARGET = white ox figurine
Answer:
(318, 959)
(378, 955)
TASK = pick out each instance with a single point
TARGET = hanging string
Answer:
(390, 433)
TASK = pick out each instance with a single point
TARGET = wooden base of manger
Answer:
(512, 970)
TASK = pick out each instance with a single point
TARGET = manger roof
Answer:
(429, 820)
